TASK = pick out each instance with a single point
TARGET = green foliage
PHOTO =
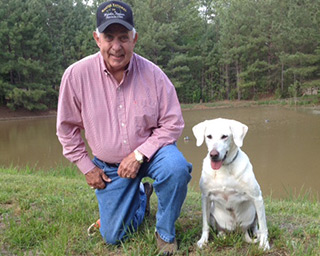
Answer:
(294, 90)
(39, 39)
(270, 44)
(5, 87)
(31, 99)
(211, 50)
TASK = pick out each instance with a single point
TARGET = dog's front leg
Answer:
(205, 220)
(263, 229)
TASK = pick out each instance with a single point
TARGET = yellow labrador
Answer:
(231, 195)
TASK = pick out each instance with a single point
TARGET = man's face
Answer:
(116, 46)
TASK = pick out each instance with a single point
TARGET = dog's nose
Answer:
(214, 154)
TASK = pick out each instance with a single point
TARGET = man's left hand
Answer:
(129, 167)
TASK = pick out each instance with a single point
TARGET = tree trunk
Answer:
(238, 69)
(227, 81)
(282, 75)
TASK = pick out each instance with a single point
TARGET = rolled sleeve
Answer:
(170, 121)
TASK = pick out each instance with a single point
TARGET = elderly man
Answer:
(129, 111)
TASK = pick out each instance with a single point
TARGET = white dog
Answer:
(231, 195)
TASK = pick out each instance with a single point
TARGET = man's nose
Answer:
(116, 44)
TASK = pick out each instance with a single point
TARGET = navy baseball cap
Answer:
(112, 12)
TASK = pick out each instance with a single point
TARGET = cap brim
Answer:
(103, 26)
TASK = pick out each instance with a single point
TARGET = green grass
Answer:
(48, 213)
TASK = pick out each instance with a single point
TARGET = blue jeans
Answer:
(122, 202)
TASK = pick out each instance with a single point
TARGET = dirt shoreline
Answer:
(8, 114)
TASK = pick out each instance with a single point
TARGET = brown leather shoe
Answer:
(164, 247)
(148, 189)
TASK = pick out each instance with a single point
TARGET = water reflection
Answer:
(283, 145)
(30, 142)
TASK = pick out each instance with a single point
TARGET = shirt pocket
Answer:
(145, 116)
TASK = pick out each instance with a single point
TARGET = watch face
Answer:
(139, 156)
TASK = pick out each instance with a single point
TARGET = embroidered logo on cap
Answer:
(113, 11)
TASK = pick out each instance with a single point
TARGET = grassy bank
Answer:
(48, 213)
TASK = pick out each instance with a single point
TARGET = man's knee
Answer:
(179, 169)
(171, 168)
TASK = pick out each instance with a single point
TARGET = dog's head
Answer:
(223, 138)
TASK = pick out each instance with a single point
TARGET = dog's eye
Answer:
(209, 137)
(224, 137)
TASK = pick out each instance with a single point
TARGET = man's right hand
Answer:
(96, 178)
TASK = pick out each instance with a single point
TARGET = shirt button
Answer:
(125, 142)
(120, 106)
(122, 124)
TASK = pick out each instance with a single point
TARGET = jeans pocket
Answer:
(99, 163)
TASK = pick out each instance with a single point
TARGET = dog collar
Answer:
(234, 157)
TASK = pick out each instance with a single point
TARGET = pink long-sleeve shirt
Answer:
(142, 112)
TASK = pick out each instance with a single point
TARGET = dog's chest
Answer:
(228, 196)
(224, 189)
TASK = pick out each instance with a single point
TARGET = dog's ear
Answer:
(239, 131)
(198, 131)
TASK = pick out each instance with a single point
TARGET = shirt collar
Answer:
(105, 70)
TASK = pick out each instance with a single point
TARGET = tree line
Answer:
(210, 49)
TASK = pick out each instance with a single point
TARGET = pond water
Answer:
(282, 144)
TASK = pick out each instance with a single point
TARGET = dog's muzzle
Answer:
(216, 161)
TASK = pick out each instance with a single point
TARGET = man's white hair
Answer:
(133, 32)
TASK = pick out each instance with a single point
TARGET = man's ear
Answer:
(135, 38)
(96, 38)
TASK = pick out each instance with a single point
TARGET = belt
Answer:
(116, 165)
(112, 165)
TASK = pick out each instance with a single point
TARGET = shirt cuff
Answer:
(148, 150)
(85, 164)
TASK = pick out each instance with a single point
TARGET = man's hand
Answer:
(129, 167)
(96, 178)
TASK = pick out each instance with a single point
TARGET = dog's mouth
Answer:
(216, 161)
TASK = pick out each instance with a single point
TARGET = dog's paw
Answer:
(203, 240)
(264, 244)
